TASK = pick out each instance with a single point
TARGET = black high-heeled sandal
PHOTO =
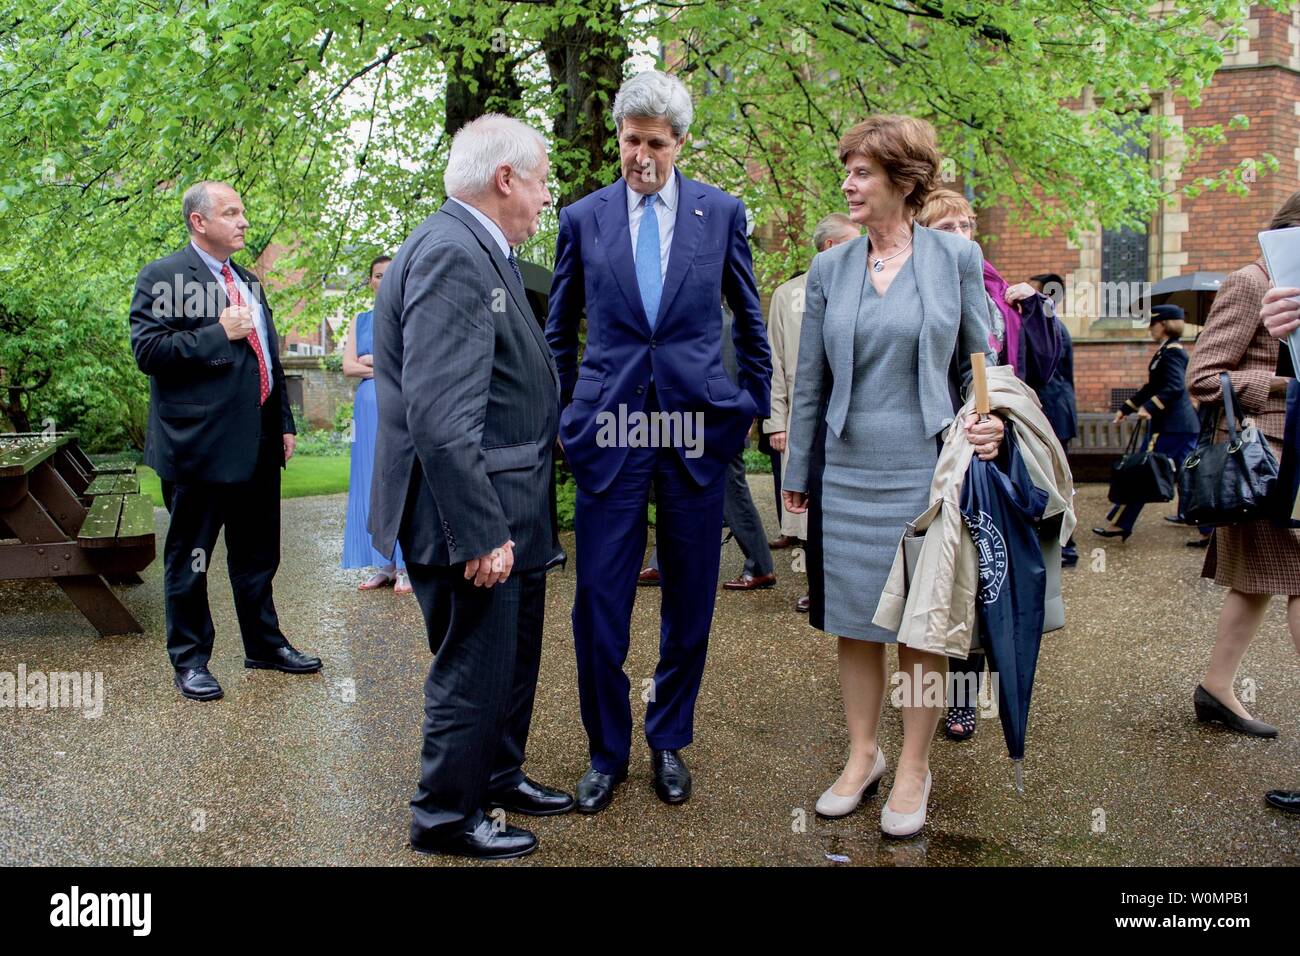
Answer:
(960, 723)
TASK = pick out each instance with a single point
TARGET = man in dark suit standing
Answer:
(219, 432)
(468, 411)
(649, 260)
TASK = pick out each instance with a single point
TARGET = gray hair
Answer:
(655, 95)
(483, 146)
(828, 227)
(198, 199)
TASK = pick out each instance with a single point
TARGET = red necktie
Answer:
(232, 293)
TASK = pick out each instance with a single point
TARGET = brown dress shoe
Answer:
(803, 605)
(747, 582)
(783, 542)
(648, 578)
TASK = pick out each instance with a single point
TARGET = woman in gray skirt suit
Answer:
(890, 322)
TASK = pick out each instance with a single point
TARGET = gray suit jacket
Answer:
(955, 323)
(469, 403)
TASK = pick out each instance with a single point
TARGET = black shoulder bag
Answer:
(1142, 475)
(1227, 482)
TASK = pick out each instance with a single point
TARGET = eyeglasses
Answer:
(957, 226)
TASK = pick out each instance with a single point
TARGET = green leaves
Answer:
(109, 111)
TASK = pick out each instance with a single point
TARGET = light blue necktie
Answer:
(649, 277)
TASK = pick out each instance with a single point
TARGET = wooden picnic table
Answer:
(63, 520)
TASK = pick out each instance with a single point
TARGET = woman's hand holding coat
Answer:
(985, 436)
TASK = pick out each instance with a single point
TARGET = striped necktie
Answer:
(232, 294)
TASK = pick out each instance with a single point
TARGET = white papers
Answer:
(1282, 253)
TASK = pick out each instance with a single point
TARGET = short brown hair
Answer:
(1173, 327)
(1288, 214)
(904, 147)
(943, 203)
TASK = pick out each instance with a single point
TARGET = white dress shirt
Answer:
(250, 300)
(665, 212)
(493, 229)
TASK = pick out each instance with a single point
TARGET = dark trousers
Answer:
(965, 680)
(478, 697)
(742, 517)
(250, 513)
(610, 532)
(1177, 445)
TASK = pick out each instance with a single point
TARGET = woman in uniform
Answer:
(1164, 402)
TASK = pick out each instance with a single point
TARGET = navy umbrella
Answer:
(1001, 506)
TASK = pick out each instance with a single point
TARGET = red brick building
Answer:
(1215, 232)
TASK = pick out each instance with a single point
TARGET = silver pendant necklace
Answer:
(879, 264)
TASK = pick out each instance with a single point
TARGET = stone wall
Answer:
(322, 391)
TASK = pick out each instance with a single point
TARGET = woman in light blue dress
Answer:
(358, 362)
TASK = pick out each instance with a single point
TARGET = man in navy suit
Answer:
(649, 261)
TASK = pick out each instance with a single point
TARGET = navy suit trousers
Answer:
(610, 531)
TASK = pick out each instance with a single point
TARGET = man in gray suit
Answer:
(468, 412)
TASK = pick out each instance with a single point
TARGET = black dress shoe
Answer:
(197, 683)
(672, 777)
(1175, 519)
(1288, 800)
(1108, 533)
(532, 799)
(1202, 542)
(286, 659)
(485, 842)
(1208, 709)
(596, 790)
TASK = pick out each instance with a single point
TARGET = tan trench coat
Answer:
(934, 610)
(784, 318)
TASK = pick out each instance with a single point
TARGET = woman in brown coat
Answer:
(1257, 559)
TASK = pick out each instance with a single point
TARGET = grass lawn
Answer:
(328, 475)
(305, 476)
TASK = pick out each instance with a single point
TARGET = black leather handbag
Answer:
(1227, 482)
(1142, 475)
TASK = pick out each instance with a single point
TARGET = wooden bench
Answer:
(1098, 445)
(112, 465)
(113, 484)
(74, 526)
(117, 521)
